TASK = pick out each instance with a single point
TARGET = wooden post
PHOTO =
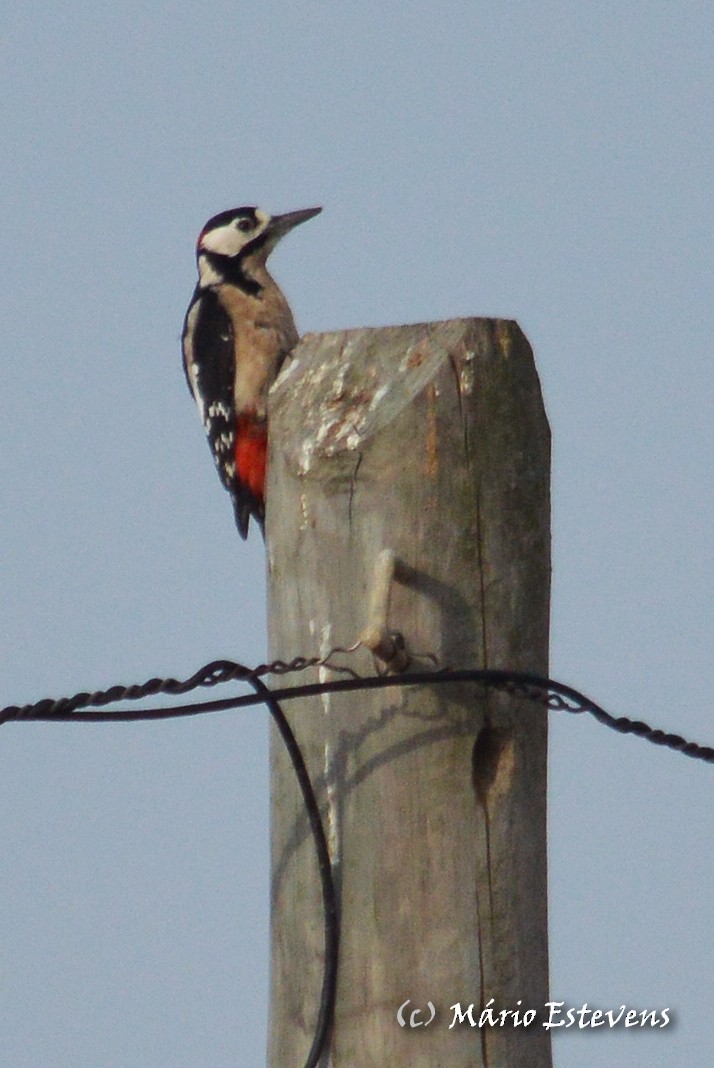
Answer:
(430, 440)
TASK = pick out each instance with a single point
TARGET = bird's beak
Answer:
(282, 224)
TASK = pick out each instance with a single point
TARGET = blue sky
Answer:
(550, 163)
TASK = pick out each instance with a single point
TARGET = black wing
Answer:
(209, 364)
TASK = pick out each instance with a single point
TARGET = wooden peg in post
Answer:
(387, 646)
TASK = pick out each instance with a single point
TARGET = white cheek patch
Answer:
(228, 240)
(224, 241)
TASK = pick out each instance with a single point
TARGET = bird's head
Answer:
(239, 239)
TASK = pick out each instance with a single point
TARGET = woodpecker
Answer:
(237, 332)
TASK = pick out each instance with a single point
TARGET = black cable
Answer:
(328, 992)
(554, 695)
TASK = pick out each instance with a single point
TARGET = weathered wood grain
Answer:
(430, 440)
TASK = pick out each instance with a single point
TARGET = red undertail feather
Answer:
(251, 454)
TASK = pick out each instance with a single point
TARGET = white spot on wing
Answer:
(218, 408)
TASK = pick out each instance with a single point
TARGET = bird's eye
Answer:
(246, 225)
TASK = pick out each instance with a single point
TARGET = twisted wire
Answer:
(555, 696)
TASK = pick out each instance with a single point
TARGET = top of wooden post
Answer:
(350, 383)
